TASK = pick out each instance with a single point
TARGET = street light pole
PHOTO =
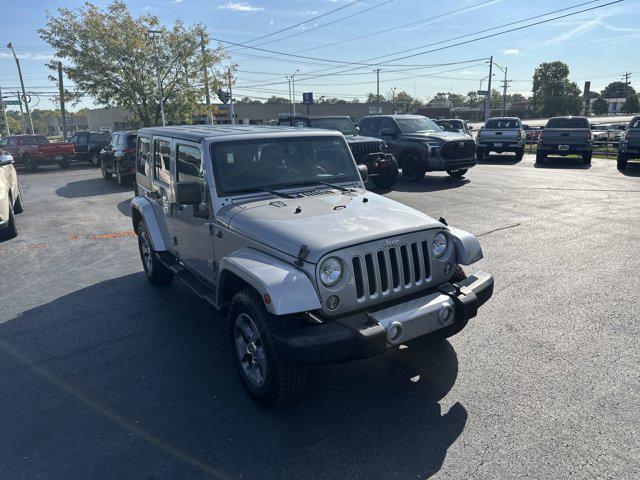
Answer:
(288, 77)
(505, 85)
(232, 110)
(293, 91)
(24, 93)
(487, 111)
(155, 46)
(4, 112)
(393, 99)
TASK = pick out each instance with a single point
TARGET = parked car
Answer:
(454, 125)
(118, 158)
(565, 136)
(31, 151)
(630, 145)
(501, 134)
(10, 198)
(611, 132)
(274, 226)
(421, 146)
(531, 133)
(88, 145)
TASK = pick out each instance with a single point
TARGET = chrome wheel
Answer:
(250, 350)
(145, 251)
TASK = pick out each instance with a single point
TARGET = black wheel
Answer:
(268, 379)
(457, 173)
(540, 157)
(64, 164)
(11, 230)
(519, 155)
(387, 175)
(29, 164)
(586, 158)
(18, 206)
(413, 169)
(480, 154)
(622, 161)
(154, 269)
(122, 181)
(105, 174)
(94, 160)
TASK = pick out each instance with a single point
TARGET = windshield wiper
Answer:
(265, 190)
(314, 182)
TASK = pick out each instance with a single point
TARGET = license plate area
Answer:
(497, 145)
(57, 157)
(563, 147)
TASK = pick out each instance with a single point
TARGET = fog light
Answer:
(333, 302)
(445, 316)
(448, 268)
(395, 332)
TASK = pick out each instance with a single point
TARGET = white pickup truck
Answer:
(502, 134)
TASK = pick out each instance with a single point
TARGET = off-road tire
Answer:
(284, 382)
(586, 158)
(94, 159)
(540, 157)
(29, 164)
(122, 181)
(18, 206)
(458, 173)
(103, 170)
(622, 161)
(156, 271)
(481, 154)
(11, 230)
(387, 177)
(413, 169)
(519, 155)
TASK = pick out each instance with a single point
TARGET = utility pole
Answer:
(290, 104)
(487, 111)
(24, 93)
(24, 125)
(377, 70)
(4, 112)
(62, 109)
(293, 90)
(393, 99)
(626, 88)
(505, 85)
(159, 81)
(207, 95)
(231, 108)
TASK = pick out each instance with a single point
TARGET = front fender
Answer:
(141, 209)
(468, 249)
(289, 288)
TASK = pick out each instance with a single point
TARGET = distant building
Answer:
(110, 119)
(75, 123)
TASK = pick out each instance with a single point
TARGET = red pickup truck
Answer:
(31, 151)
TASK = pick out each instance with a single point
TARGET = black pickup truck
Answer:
(88, 145)
(565, 136)
(629, 144)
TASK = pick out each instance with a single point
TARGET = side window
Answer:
(188, 164)
(114, 141)
(12, 142)
(370, 126)
(144, 146)
(388, 124)
(3, 142)
(28, 141)
(83, 138)
(162, 161)
(73, 139)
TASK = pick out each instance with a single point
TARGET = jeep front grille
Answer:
(361, 149)
(390, 270)
(458, 150)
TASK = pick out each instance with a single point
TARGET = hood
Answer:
(324, 222)
(351, 139)
(436, 136)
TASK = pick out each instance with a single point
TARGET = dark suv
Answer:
(629, 144)
(118, 158)
(88, 145)
(422, 146)
(369, 151)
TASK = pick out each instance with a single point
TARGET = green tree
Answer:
(553, 92)
(371, 98)
(473, 100)
(247, 100)
(111, 56)
(632, 105)
(278, 100)
(618, 90)
(600, 106)
(406, 103)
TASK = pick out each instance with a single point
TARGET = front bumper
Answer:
(369, 333)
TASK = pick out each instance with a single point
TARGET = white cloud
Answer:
(469, 72)
(28, 56)
(511, 51)
(240, 7)
(176, 1)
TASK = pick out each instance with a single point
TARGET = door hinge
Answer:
(210, 226)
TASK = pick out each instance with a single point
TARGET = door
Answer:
(192, 223)
(161, 194)
(391, 135)
(107, 155)
(82, 147)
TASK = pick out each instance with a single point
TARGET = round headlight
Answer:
(330, 271)
(439, 244)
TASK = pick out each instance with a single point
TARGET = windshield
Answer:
(568, 123)
(99, 137)
(255, 165)
(450, 124)
(417, 125)
(41, 139)
(344, 125)
(505, 123)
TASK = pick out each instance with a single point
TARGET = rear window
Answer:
(130, 141)
(568, 123)
(506, 123)
(99, 137)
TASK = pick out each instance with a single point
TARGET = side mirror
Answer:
(470, 127)
(364, 172)
(6, 160)
(188, 193)
(387, 132)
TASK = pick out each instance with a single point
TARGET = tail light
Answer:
(541, 134)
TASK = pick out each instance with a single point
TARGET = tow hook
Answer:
(464, 299)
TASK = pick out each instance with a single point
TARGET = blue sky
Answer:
(599, 45)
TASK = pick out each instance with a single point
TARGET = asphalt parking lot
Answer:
(104, 376)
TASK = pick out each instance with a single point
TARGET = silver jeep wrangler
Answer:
(274, 226)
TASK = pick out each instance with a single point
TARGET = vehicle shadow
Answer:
(430, 183)
(91, 187)
(53, 168)
(632, 170)
(563, 162)
(125, 379)
(499, 160)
